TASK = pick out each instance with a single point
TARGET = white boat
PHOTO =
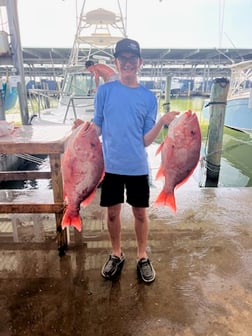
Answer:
(97, 32)
(238, 113)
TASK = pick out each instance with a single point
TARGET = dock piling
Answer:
(217, 108)
(166, 104)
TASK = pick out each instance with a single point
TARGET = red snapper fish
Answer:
(180, 152)
(82, 170)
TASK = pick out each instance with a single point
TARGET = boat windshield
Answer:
(79, 84)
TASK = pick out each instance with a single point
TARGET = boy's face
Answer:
(128, 64)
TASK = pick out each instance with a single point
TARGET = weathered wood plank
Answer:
(10, 207)
(24, 175)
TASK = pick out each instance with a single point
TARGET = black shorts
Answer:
(137, 190)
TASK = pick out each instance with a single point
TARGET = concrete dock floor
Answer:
(202, 256)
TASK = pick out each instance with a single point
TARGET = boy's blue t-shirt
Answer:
(124, 115)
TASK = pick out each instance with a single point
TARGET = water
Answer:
(41, 163)
(189, 103)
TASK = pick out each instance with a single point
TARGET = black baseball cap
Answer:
(127, 45)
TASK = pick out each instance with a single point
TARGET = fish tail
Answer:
(70, 220)
(166, 199)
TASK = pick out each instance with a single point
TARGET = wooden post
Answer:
(189, 89)
(217, 109)
(2, 110)
(166, 104)
(57, 185)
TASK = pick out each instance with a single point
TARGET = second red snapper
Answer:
(82, 170)
(180, 152)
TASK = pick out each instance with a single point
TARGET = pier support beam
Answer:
(17, 56)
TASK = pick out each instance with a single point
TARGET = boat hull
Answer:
(68, 110)
(239, 114)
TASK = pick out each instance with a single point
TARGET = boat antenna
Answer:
(221, 20)
(124, 21)
(229, 39)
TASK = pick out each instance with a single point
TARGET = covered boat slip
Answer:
(49, 140)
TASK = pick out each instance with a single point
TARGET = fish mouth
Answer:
(189, 116)
(86, 126)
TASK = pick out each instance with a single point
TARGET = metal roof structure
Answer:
(179, 62)
(191, 56)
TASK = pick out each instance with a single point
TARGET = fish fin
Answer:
(68, 220)
(183, 182)
(89, 199)
(159, 148)
(166, 199)
(185, 179)
(160, 173)
(91, 196)
(102, 177)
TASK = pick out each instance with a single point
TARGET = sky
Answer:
(154, 23)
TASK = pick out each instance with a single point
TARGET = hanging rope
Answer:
(215, 103)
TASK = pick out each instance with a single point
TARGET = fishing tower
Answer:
(97, 32)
